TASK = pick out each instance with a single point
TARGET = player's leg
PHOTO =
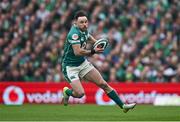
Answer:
(90, 73)
(77, 91)
(96, 77)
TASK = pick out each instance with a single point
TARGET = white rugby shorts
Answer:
(73, 73)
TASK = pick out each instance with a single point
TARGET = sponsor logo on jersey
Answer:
(75, 36)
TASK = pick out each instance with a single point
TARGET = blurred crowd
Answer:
(144, 38)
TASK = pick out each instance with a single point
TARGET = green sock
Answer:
(69, 92)
(113, 95)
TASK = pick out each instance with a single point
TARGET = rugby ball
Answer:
(101, 43)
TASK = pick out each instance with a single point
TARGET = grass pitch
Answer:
(42, 112)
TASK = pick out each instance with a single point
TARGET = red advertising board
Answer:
(36, 92)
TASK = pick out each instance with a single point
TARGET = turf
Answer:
(32, 112)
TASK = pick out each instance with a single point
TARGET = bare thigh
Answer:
(95, 77)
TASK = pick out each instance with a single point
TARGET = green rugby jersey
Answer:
(75, 36)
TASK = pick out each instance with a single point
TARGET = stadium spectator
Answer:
(144, 39)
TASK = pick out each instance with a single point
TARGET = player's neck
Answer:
(78, 28)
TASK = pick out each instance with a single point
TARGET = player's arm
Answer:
(74, 40)
(78, 51)
(76, 45)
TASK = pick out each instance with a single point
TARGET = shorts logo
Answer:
(13, 95)
(72, 77)
(75, 36)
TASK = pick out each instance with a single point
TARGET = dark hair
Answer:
(80, 14)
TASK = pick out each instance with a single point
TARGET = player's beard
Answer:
(84, 28)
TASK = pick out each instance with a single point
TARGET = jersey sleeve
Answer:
(74, 38)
